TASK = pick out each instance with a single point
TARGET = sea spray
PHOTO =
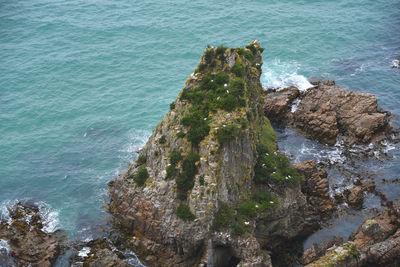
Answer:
(280, 75)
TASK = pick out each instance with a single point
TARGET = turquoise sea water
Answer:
(83, 83)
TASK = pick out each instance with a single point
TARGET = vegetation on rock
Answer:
(162, 140)
(185, 180)
(141, 160)
(141, 176)
(183, 212)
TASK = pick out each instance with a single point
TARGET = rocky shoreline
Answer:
(212, 188)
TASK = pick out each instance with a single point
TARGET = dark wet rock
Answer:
(316, 187)
(29, 243)
(277, 105)
(329, 114)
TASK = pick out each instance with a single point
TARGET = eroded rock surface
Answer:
(328, 113)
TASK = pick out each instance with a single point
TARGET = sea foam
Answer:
(280, 75)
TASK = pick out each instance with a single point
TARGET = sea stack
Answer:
(210, 187)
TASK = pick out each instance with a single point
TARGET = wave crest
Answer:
(280, 75)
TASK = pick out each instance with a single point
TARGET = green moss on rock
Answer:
(183, 212)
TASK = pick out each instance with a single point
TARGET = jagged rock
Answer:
(316, 187)
(355, 197)
(277, 105)
(375, 243)
(328, 112)
(346, 255)
(378, 238)
(29, 244)
(316, 251)
(292, 218)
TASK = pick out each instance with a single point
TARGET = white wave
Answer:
(359, 70)
(280, 75)
(4, 246)
(320, 153)
(84, 252)
(49, 215)
(132, 259)
(295, 105)
(396, 63)
(136, 140)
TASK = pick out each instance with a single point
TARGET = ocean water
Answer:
(83, 83)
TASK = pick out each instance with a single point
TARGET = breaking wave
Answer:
(279, 75)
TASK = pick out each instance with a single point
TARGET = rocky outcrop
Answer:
(343, 256)
(24, 242)
(209, 187)
(318, 250)
(29, 244)
(378, 238)
(375, 243)
(328, 113)
(316, 187)
(278, 104)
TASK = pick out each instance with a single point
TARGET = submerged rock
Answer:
(329, 114)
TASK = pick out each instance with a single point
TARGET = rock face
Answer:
(328, 112)
(210, 187)
(29, 244)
